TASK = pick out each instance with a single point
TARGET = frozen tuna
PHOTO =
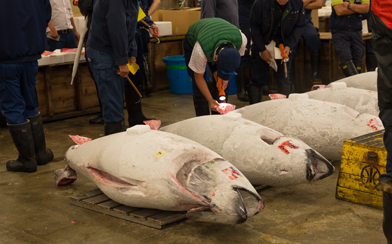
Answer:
(366, 81)
(324, 126)
(363, 101)
(264, 155)
(155, 169)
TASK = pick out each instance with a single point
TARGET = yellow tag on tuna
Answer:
(159, 153)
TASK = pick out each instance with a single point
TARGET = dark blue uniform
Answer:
(110, 43)
(244, 9)
(267, 26)
(21, 46)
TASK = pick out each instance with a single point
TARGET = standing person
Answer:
(346, 27)
(224, 9)
(18, 69)
(132, 98)
(63, 33)
(109, 46)
(218, 43)
(381, 21)
(283, 22)
(311, 38)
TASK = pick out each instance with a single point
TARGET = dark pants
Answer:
(311, 38)
(145, 40)
(67, 40)
(137, 77)
(245, 60)
(110, 84)
(187, 55)
(261, 70)
(387, 225)
(18, 96)
(349, 45)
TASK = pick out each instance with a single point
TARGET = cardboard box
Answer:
(315, 18)
(157, 15)
(165, 28)
(181, 19)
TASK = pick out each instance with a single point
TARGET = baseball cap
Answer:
(229, 60)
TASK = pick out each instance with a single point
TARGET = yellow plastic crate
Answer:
(363, 160)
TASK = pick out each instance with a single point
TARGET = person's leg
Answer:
(357, 50)
(342, 44)
(259, 77)
(312, 40)
(146, 67)
(240, 79)
(13, 107)
(282, 78)
(71, 41)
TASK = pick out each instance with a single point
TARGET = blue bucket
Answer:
(179, 80)
(232, 84)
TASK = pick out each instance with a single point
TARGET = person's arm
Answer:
(154, 6)
(48, 11)
(306, 2)
(208, 8)
(341, 9)
(317, 4)
(53, 31)
(297, 32)
(256, 18)
(77, 35)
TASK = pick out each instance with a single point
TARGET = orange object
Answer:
(75, 2)
(285, 58)
(222, 95)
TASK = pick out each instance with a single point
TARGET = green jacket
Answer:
(212, 32)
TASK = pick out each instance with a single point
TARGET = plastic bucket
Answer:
(179, 80)
(232, 84)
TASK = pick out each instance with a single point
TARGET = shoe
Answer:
(97, 120)
(43, 155)
(385, 186)
(255, 94)
(23, 139)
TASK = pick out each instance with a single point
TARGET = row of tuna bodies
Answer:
(174, 173)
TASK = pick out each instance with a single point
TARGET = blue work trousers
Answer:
(261, 70)
(110, 84)
(67, 40)
(137, 77)
(18, 96)
(349, 45)
(245, 60)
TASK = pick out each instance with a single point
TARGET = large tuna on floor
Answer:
(155, 169)
(324, 126)
(264, 155)
(366, 81)
(363, 101)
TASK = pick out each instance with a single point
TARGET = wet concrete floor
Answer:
(33, 210)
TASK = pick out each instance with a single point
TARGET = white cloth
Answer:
(271, 49)
(61, 14)
(198, 61)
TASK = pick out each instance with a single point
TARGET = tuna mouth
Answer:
(246, 205)
(107, 179)
(318, 167)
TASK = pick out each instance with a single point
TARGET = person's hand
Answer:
(77, 37)
(154, 30)
(213, 104)
(132, 60)
(266, 56)
(286, 50)
(123, 70)
(225, 83)
(53, 33)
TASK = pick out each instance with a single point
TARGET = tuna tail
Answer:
(64, 176)
(318, 167)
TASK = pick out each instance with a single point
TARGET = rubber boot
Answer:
(387, 223)
(315, 64)
(147, 76)
(267, 90)
(348, 68)
(371, 62)
(134, 107)
(240, 82)
(23, 139)
(113, 127)
(292, 77)
(99, 118)
(284, 89)
(43, 155)
(202, 107)
(358, 66)
(255, 94)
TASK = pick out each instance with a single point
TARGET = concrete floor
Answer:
(33, 210)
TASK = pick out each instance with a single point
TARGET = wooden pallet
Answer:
(97, 201)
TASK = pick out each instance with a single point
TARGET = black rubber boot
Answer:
(315, 64)
(267, 90)
(284, 89)
(371, 62)
(202, 107)
(23, 139)
(43, 155)
(134, 107)
(358, 66)
(240, 82)
(97, 120)
(348, 68)
(387, 224)
(113, 127)
(255, 94)
(146, 76)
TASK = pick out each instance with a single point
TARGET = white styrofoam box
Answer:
(69, 57)
(54, 58)
(165, 28)
(82, 57)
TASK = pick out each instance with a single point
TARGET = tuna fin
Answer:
(276, 96)
(80, 139)
(154, 124)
